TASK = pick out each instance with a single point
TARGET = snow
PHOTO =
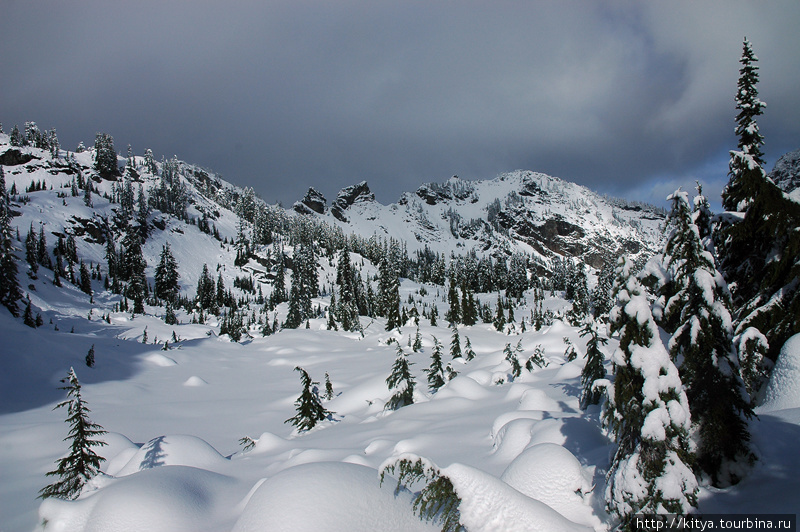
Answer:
(783, 388)
(517, 453)
(329, 496)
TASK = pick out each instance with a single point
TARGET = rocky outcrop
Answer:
(13, 157)
(312, 202)
(786, 173)
(349, 196)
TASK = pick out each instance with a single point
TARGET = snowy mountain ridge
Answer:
(522, 210)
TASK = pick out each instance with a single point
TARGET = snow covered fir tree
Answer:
(568, 359)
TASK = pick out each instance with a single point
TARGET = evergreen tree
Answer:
(469, 354)
(389, 295)
(134, 266)
(469, 309)
(739, 194)
(453, 315)
(10, 291)
(417, 345)
(328, 387)
(499, 318)
(309, 405)
(31, 252)
(455, 343)
(90, 357)
(401, 382)
(27, 316)
(166, 276)
(435, 372)
(294, 317)
(593, 370)
(278, 294)
(511, 356)
(206, 295)
(105, 157)
(702, 347)
(86, 280)
(82, 463)
(16, 138)
(647, 414)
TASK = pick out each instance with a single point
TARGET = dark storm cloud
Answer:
(624, 97)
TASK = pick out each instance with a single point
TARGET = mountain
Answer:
(786, 173)
(176, 395)
(517, 211)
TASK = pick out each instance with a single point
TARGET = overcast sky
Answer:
(628, 98)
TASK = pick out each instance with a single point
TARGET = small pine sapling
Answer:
(328, 387)
(437, 500)
(82, 463)
(511, 356)
(593, 370)
(455, 343)
(401, 381)
(247, 443)
(536, 359)
(469, 354)
(309, 406)
(435, 372)
(570, 353)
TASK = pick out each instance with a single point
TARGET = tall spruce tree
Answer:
(166, 276)
(10, 291)
(105, 157)
(647, 413)
(742, 189)
(758, 250)
(82, 463)
(702, 347)
(389, 295)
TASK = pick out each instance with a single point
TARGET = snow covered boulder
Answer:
(329, 497)
(783, 389)
(490, 505)
(165, 499)
(175, 449)
(551, 474)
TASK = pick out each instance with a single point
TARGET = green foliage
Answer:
(438, 500)
(536, 359)
(435, 372)
(309, 406)
(593, 370)
(82, 463)
(401, 381)
(513, 359)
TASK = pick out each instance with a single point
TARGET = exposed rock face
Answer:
(349, 196)
(312, 202)
(453, 189)
(13, 157)
(786, 173)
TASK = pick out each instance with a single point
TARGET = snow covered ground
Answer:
(521, 454)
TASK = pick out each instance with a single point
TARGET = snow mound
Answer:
(195, 381)
(174, 450)
(783, 389)
(490, 505)
(329, 496)
(537, 399)
(551, 474)
(462, 386)
(162, 499)
(160, 360)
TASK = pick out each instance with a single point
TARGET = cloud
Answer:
(285, 95)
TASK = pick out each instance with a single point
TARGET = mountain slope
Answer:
(518, 211)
